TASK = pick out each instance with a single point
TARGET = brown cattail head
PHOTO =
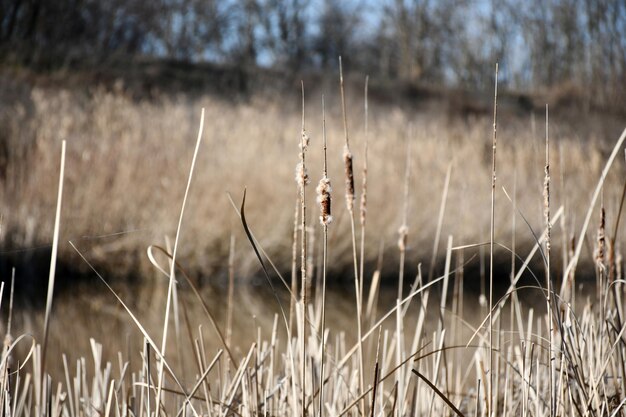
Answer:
(347, 160)
(600, 251)
(403, 231)
(323, 199)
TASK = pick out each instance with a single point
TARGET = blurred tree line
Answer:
(575, 45)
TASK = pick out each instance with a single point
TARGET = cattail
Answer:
(302, 177)
(347, 161)
(347, 155)
(323, 199)
(600, 252)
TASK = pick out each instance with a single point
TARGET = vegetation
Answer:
(126, 154)
(124, 166)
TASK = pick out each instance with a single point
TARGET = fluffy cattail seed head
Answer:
(302, 178)
(323, 199)
(347, 160)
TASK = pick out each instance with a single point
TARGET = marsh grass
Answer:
(430, 358)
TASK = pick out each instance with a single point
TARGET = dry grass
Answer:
(126, 167)
(125, 170)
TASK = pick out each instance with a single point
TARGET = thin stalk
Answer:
(551, 370)
(173, 262)
(53, 264)
(442, 210)
(403, 231)
(325, 219)
(294, 265)
(491, 242)
(348, 163)
(303, 254)
(231, 289)
(363, 206)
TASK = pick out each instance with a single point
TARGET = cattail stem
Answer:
(348, 164)
(363, 205)
(491, 412)
(302, 179)
(551, 367)
(294, 265)
(231, 289)
(324, 199)
(403, 231)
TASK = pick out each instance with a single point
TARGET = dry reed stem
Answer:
(363, 204)
(324, 199)
(600, 250)
(442, 210)
(173, 261)
(403, 230)
(348, 167)
(53, 263)
(489, 390)
(546, 196)
(302, 179)
(571, 267)
(294, 265)
(231, 289)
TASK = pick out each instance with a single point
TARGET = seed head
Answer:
(323, 198)
(600, 251)
(347, 160)
(302, 178)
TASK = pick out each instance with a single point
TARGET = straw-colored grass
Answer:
(126, 164)
(128, 173)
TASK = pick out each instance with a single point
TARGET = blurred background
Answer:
(578, 46)
(123, 82)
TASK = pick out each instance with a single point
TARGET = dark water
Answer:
(92, 312)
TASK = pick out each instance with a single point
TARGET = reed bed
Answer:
(426, 354)
(125, 156)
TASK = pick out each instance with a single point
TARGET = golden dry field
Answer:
(477, 281)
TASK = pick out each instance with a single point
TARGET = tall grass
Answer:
(566, 360)
(123, 156)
